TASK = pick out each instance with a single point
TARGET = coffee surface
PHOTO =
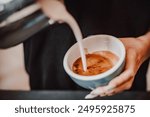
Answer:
(97, 63)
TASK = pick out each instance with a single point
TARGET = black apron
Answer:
(44, 51)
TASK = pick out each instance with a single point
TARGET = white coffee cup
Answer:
(96, 43)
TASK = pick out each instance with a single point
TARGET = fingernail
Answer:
(109, 87)
(97, 92)
(51, 21)
(109, 94)
(103, 94)
(90, 96)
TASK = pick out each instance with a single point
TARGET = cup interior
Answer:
(92, 44)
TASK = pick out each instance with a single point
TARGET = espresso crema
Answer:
(97, 63)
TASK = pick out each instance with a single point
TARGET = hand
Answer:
(137, 51)
(54, 9)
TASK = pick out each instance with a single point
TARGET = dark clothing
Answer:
(44, 52)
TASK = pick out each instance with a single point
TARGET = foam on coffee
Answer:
(97, 63)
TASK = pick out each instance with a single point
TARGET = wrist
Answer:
(145, 40)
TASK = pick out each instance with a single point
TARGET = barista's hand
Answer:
(137, 51)
(54, 9)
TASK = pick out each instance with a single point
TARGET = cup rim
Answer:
(98, 76)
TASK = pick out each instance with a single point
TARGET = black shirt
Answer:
(44, 51)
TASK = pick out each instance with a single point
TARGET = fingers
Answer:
(121, 88)
(122, 82)
(90, 96)
(110, 90)
(96, 92)
(129, 72)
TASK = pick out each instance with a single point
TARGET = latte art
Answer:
(97, 63)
